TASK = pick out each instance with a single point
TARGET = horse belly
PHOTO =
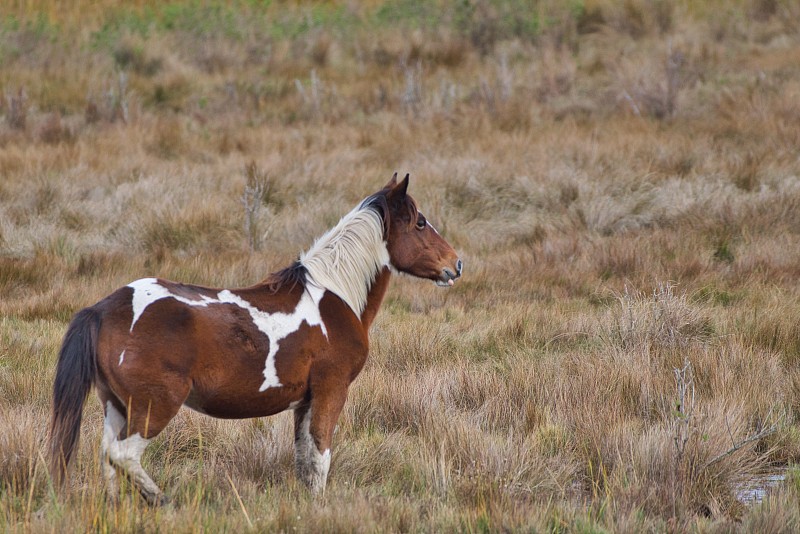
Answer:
(242, 407)
(229, 378)
(234, 392)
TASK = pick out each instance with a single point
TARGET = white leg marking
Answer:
(324, 462)
(112, 426)
(125, 454)
(275, 326)
(121, 357)
(312, 466)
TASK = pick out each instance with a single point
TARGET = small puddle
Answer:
(756, 490)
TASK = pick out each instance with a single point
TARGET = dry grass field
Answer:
(622, 180)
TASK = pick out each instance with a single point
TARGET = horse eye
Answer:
(421, 222)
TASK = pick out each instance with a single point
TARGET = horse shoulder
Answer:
(348, 340)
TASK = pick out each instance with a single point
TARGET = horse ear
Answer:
(400, 189)
(397, 191)
(392, 182)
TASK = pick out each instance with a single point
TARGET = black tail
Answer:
(75, 374)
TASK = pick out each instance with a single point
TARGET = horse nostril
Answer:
(459, 265)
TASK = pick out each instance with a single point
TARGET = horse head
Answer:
(414, 245)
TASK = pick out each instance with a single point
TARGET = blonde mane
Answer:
(347, 258)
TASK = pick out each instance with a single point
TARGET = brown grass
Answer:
(621, 181)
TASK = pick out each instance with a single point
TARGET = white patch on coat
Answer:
(121, 357)
(147, 291)
(348, 257)
(275, 326)
(279, 325)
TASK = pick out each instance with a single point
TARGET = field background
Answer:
(622, 180)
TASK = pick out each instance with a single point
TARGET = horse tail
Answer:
(75, 373)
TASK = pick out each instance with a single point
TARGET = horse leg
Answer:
(112, 426)
(314, 423)
(143, 424)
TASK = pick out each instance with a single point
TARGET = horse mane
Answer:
(290, 276)
(379, 202)
(347, 258)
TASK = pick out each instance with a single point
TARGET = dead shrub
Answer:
(664, 319)
(746, 170)
(636, 18)
(52, 130)
(114, 103)
(447, 50)
(129, 56)
(17, 109)
(169, 138)
(653, 89)
(763, 10)
(319, 49)
(170, 92)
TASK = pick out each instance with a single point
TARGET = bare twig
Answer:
(737, 446)
(684, 408)
(412, 95)
(316, 90)
(728, 427)
(634, 106)
(505, 78)
(313, 98)
(760, 434)
(254, 190)
(117, 100)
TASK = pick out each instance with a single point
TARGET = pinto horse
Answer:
(295, 341)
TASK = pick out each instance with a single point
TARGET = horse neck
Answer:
(375, 297)
(347, 259)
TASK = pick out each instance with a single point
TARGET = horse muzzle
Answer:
(448, 277)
